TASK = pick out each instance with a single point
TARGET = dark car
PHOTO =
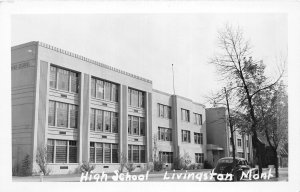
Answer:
(225, 167)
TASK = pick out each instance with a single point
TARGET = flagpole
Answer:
(173, 80)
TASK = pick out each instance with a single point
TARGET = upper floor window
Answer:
(63, 79)
(104, 90)
(185, 115)
(198, 119)
(164, 134)
(199, 157)
(136, 98)
(62, 114)
(136, 125)
(106, 121)
(198, 138)
(164, 111)
(186, 136)
(239, 142)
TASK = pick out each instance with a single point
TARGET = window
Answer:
(166, 157)
(104, 153)
(198, 119)
(248, 155)
(61, 151)
(62, 112)
(73, 116)
(247, 143)
(136, 98)
(239, 143)
(53, 76)
(100, 119)
(136, 153)
(51, 113)
(104, 90)
(136, 125)
(199, 157)
(164, 111)
(164, 134)
(186, 136)
(198, 138)
(63, 79)
(240, 154)
(185, 115)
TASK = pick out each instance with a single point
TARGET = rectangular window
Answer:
(99, 116)
(165, 134)
(50, 151)
(135, 153)
(107, 91)
(99, 152)
(239, 143)
(92, 119)
(164, 111)
(62, 114)
(166, 157)
(130, 124)
(199, 157)
(198, 119)
(93, 87)
(107, 152)
(143, 154)
(115, 127)
(135, 125)
(92, 152)
(51, 113)
(74, 82)
(53, 75)
(72, 152)
(129, 153)
(142, 126)
(61, 151)
(186, 136)
(198, 137)
(63, 79)
(99, 89)
(136, 98)
(247, 143)
(107, 121)
(115, 153)
(73, 116)
(185, 115)
(114, 92)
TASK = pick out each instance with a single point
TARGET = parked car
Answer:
(225, 167)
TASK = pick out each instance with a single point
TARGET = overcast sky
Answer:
(147, 44)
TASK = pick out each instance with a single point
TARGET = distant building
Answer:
(218, 137)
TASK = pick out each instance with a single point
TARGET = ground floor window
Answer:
(61, 151)
(136, 153)
(241, 154)
(104, 152)
(199, 157)
(166, 157)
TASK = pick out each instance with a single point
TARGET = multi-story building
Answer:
(218, 137)
(83, 110)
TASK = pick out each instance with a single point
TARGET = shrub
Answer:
(158, 165)
(123, 161)
(26, 166)
(192, 166)
(41, 160)
(130, 166)
(85, 167)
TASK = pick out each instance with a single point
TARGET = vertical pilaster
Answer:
(175, 131)
(123, 119)
(148, 105)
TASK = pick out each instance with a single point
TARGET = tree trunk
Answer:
(258, 152)
(276, 163)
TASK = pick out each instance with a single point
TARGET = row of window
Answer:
(61, 151)
(185, 116)
(136, 153)
(105, 121)
(104, 153)
(164, 134)
(186, 137)
(136, 98)
(136, 125)
(63, 79)
(164, 111)
(104, 90)
(62, 114)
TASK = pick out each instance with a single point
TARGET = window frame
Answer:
(106, 86)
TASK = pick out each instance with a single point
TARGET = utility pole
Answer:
(231, 127)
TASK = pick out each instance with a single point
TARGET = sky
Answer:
(148, 44)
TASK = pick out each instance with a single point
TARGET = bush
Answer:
(26, 166)
(158, 165)
(207, 165)
(85, 167)
(41, 160)
(130, 166)
(192, 166)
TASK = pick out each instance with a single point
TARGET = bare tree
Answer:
(243, 76)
